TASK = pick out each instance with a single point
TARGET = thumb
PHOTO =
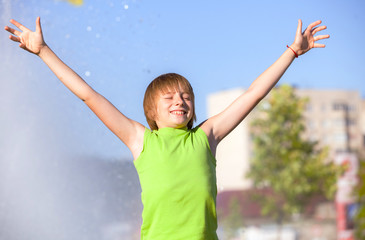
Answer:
(299, 28)
(38, 27)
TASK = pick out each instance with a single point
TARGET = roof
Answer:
(249, 207)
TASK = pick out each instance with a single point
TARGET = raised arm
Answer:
(218, 126)
(129, 131)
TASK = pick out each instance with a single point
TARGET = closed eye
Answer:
(186, 97)
(167, 96)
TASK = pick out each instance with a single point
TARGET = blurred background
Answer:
(63, 175)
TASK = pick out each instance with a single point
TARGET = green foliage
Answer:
(233, 220)
(360, 192)
(294, 168)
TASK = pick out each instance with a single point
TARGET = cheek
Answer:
(191, 106)
(192, 110)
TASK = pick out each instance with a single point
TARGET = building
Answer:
(233, 152)
(334, 118)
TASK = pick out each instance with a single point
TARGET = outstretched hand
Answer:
(31, 41)
(304, 41)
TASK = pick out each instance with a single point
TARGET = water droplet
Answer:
(87, 74)
(117, 19)
(126, 6)
(89, 28)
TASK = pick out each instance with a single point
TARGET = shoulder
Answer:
(207, 128)
(139, 143)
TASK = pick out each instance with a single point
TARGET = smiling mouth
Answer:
(180, 113)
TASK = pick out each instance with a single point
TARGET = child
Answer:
(175, 162)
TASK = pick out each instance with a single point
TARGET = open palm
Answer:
(305, 41)
(30, 41)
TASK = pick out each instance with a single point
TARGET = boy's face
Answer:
(174, 109)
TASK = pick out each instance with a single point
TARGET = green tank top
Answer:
(177, 174)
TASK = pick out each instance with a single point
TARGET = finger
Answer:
(320, 37)
(22, 45)
(18, 25)
(313, 24)
(15, 39)
(315, 30)
(299, 28)
(13, 31)
(319, 45)
(38, 27)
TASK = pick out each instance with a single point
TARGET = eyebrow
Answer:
(172, 92)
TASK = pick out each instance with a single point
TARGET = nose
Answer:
(179, 100)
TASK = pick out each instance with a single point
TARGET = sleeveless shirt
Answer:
(177, 174)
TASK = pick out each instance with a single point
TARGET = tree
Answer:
(295, 169)
(233, 220)
(360, 193)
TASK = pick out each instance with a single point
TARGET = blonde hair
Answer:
(162, 84)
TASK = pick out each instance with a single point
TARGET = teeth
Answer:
(178, 112)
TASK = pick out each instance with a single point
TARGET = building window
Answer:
(350, 122)
(340, 150)
(343, 107)
(323, 107)
(327, 139)
(351, 107)
(326, 123)
(340, 106)
(340, 138)
(339, 122)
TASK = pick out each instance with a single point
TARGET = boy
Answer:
(175, 162)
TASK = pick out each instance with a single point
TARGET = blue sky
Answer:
(118, 47)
